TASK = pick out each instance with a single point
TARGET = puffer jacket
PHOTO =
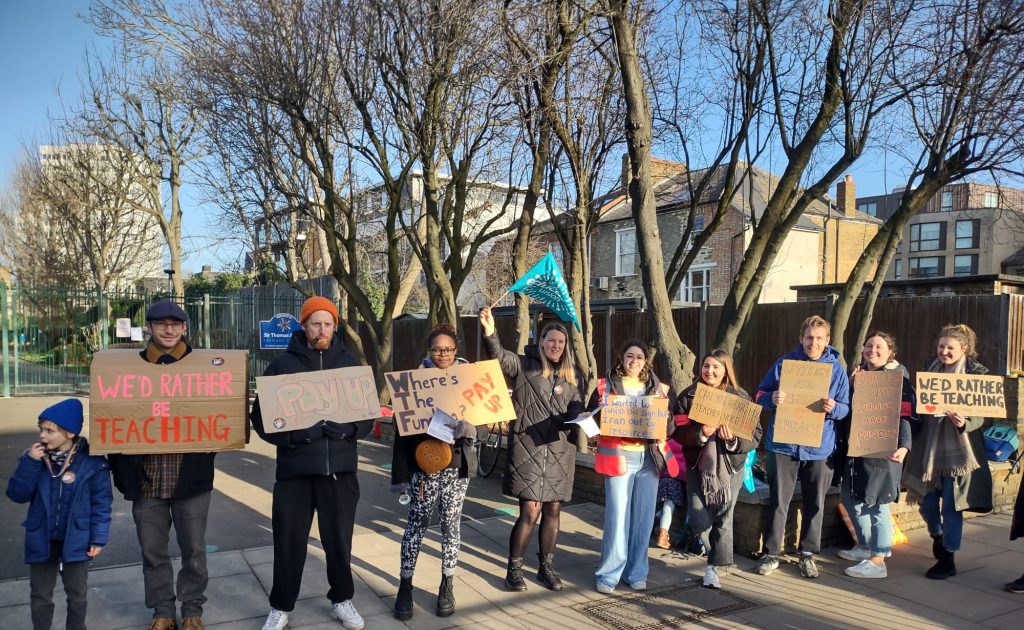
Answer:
(323, 456)
(77, 513)
(838, 390)
(541, 464)
(608, 446)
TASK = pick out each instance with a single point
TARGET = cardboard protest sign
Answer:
(298, 401)
(643, 417)
(197, 404)
(965, 394)
(875, 424)
(801, 419)
(713, 406)
(474, 392)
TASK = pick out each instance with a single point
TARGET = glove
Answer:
(465, 431)
(307, 436)
(400, 488)
(338, 431)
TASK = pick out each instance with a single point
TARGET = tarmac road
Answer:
(240, 509)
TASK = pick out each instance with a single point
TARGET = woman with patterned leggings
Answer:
(444, 490)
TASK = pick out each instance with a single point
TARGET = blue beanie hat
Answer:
(67, 414)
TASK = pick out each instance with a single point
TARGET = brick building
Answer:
(823, 246)
(967, 229)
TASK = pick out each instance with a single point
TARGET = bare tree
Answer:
(964, 114)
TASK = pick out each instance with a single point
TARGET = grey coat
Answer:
(541, 463)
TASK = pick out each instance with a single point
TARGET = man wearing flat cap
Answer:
(316, 471)
(168, 488)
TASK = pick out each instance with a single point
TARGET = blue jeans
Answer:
(872, 523)
(629, 502)
(939, 510)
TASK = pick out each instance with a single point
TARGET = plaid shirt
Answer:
(160, 474)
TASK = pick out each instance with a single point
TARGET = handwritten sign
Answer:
(297, 401)
(965, 394)
(801, 419)
(644, 417)
(197, 404)
(474, 392)
(875, 424)
(713, 407)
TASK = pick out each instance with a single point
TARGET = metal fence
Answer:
(50, 333)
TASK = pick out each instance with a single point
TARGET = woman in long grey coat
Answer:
(542, 447)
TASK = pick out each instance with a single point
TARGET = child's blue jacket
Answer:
(77, 513)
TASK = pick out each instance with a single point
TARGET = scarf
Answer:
(946, 451)
(153, 353)
(714, 476)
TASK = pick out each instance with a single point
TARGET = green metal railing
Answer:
(49, 334)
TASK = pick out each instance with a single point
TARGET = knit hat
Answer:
(317, 303)
(67, 414)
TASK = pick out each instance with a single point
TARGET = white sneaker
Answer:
(276, 620)
(346, 613)
(868, 570)
(711, 577)
(605, 589)
(857, 554)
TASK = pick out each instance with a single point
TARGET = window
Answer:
(965, 265)
(625, 252)
(991, 199)
(946, 199)
(927, 266)
(697, 286)
(967, 234)
(897, 269)
(927, 237)
(868, 208)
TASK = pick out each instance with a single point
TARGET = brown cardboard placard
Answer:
(643, 417)
(197, 404)
(801, 419)
(875, 423)
(474, 392)
(713, 406)
(965, 394)
(297, 401)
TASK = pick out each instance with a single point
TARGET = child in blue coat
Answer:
(68, 519)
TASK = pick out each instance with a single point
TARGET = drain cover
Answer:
(668, 607)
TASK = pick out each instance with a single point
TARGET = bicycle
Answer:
(490, 440)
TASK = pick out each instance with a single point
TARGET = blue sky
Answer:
(42, 43)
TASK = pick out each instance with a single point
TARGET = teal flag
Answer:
(545, 284)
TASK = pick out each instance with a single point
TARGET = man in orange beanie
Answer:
(316, 470)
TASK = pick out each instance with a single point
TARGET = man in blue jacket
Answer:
(790, 463)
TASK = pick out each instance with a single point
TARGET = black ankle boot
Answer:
(937, 547)
(944, 568)
(547, 574)
(514, 578)
(446, 597)
(403, 601)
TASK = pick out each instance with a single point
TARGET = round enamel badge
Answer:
(279, 423)
(68, 477)
(558, 389)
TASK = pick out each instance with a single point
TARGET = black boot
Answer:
(403, 601)
(547, 574)
(944, 568)
(937, 547)
(446, 597)
(514, 578)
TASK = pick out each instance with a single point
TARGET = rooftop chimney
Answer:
(846, 196)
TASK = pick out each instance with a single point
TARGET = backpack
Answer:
(1000, 443)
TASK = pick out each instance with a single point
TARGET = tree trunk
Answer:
(674, 357)
(521, 245)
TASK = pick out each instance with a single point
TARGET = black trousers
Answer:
(783, 474)
(43, 578)
(334, 499)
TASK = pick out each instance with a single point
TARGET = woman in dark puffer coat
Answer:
(542, 447)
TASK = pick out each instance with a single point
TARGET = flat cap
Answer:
(165, 309)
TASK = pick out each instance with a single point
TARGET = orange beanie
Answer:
(317, 303)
